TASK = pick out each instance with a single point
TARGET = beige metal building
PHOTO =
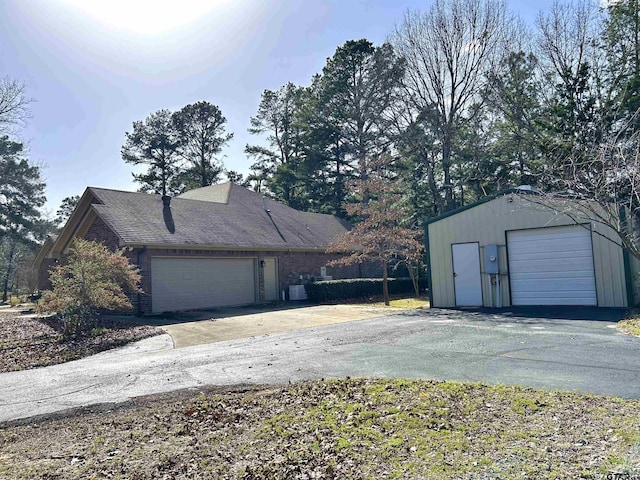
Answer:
(512, 249)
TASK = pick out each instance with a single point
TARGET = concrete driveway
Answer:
(554, 349)
(203, 327)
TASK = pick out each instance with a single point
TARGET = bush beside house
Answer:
(355, 288)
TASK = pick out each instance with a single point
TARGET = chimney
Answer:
(166, 201)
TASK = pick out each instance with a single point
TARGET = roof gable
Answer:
(213, 193)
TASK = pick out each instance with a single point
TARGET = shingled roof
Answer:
(224, 215)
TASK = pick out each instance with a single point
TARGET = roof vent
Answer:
(166, 200)
(264, 204)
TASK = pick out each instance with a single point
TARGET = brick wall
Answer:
(291, 265)
(100, 232)
(43, 273)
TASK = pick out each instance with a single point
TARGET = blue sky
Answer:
(93, 70)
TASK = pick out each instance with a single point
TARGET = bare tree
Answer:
(14, 105)
(566, 35)
(449, 51)
(572, 65)
(603, 188)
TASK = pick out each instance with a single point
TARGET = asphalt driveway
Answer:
(570, 349)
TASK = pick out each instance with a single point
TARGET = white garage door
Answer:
(189, 283)
(551, 266)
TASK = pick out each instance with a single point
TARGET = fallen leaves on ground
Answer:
(29, 342)
(353, 428)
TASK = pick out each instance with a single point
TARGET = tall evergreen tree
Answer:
(278, 164)
(200, 129)
(21, 196)
(356, 90)
(350, 122)
(21, 192)
(621, 44)
(154, 142)
(66, 208)
(514, 99)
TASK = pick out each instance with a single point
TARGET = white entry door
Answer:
(270, 279)
(466, 274)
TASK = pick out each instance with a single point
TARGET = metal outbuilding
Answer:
(516, 248)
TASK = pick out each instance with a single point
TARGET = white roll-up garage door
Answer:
(191, 283)
(551, 266)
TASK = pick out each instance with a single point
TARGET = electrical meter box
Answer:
(491, 264)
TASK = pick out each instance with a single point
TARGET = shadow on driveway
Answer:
(598, 314)
(172, 318)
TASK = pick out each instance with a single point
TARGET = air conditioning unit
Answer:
(297, 292)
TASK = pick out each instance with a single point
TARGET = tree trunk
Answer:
(413, 274)
(446, 169)
(12, 249)
(433, 186)
(385, 285)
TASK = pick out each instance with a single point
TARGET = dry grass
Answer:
(631, 324)
(395, 301)
(407, 302)
(353, 428)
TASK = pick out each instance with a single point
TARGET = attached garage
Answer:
(192, 283)
(512, 249)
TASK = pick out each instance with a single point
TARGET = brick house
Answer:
(214, 246)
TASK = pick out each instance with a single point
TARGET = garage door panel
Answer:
(553, 249)
(565, 270)
(551, 266)
(553, 285)
(535, 300)
(541, 244)
(191, 283)
(556, 295)
(569, 255)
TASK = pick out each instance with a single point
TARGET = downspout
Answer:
(139, 295)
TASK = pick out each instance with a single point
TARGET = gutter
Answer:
(222, 247)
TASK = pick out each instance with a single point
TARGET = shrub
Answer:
(355, 288)
(93, 279)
